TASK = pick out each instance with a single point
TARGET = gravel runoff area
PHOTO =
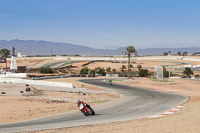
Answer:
(19, 105)
(186, 120)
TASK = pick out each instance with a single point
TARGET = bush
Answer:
(139, 66)
(188, 71)
(84, 70)
(95, 71)
(100, 70)
(123, 62)
(143, 72)
(166, 73)
(108, 69)
(123, 68)
(197, 76)
(46, 70)
(114, 71)
(115, 62)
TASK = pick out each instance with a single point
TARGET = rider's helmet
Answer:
(79, 102)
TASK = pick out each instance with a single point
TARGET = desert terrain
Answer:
(40, 103)
(52, 102)
(186, 120)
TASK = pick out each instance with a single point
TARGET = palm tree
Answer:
(129, 50)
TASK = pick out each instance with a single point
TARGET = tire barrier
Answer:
(51, 77)
(94, 61)
(83, 75)
(3, 93)
(28, 89)
(123, 75)
(61, 76)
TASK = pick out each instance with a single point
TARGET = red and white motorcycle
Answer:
(86, 109)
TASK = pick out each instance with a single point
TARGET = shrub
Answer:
(46, 70)
(139, 66)
(166, 73)
(98, 70)
(123, 68)
(188, 71)
(197, 76)
(123, 62)
(130, 66)
(133, 62)
(84, 70)
(108, 69)
(143, 72)
(114, 71)
(115, 62)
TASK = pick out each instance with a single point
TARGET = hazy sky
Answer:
(103, 23)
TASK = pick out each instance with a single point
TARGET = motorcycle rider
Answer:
(110, 82)
(82, 102)
(92, 112)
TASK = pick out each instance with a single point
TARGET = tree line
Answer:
(185, 53)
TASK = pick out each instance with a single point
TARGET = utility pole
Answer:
(30, 53)
(13, 51)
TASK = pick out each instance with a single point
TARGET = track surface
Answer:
(59, 64)
(134, 103)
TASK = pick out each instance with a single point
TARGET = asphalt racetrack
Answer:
(134, 103)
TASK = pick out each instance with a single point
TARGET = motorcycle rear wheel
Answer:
(93, 112)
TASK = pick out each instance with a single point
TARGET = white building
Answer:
(192, 66)
(20, 55)
(13, 64)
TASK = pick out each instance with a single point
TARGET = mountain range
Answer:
(33, 47)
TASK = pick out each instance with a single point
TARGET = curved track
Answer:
(134, 103)
(59, 64)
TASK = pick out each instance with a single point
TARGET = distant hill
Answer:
(56, 48)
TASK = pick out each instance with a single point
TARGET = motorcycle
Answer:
(110, 82)
(86, 110)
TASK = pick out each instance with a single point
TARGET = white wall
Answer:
(192, 58)
(9, 74)
(36, 82)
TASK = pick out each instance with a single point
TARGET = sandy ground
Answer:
(144, 63)
(36, 63)
(76, 83)
(186, 120)
(27, 63)
(149, 64)
(39, 103)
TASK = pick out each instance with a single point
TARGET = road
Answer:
(134, 103)
(59, 64)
